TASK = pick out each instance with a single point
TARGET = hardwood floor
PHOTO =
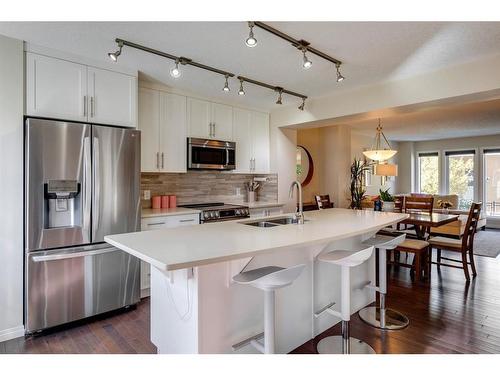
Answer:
(446, 316)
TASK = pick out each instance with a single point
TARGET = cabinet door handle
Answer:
(153, 224)
(185, 220)
(214, 129)
(84, 105)
(157, 160)
(250, 163)
(162, 160)
(91, 106)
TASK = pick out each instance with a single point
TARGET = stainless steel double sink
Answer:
(269, 223)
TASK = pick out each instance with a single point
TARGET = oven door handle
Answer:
(77, 254)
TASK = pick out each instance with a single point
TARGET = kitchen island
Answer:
(195, 306)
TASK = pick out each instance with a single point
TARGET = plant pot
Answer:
(388, 207)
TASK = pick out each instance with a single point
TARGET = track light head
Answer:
(340, 77)
(301, 107)
(251, 41)
(241, 92)
(226, 85)
(114, 55)
(306, 63)
(280, 91)
(175, 72)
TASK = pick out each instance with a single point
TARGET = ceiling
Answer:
(452, 121)
(372, 52)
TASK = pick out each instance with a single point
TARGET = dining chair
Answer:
(420, 265)
(323, 201)
(464, 246)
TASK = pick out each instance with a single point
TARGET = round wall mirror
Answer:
(305, 166)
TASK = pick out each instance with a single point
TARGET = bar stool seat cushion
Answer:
(414, 244)
(269, 277)
(349, 258)
(446, 242)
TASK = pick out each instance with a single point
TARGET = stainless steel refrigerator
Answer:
(82, 182)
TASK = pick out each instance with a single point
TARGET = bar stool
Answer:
(268, 279)
(344, 344)
(382, 317)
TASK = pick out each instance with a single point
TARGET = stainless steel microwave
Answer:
(211, 154)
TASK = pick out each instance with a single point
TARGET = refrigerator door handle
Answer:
(78, 254)
(87, 187)
(96, 203)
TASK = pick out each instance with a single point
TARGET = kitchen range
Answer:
(212, 212)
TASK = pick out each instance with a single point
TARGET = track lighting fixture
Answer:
(340, 77)
(301, 107)
(175, 71)
(280, 91)
(251, 41)
(241, 92)
(114, 55)
(306, 63)
(226, 85)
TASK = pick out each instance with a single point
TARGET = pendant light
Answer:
(340, 77)
(306, 63)
(378, 153)
(114, 55)
(251, 41)
(241, 92)
(175, 71)
(226, 85)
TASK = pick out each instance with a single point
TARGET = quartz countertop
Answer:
(197, 245)
(158, 212)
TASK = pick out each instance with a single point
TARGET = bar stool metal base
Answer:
(394, 320)
(333, 345)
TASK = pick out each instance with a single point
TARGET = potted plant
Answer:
(444, 205)
(357, 188)
(388, 200)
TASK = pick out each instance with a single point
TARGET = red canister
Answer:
(156, 201)
(172, 201)
(165, 201)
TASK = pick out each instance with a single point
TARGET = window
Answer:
(428, 172)
(460, 176)
(492, 182)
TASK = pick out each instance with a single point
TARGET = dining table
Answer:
(423, 221)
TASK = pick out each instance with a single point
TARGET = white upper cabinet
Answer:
(242, 135)
(149, 125)
(173, 132)
(113, 97)
(65, 90)
(162, 121)
(209, 120)
(251, 134)
(222, 120)
(260, 142)
(55, 88)
(199, 118)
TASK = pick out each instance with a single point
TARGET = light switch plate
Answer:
(147, 194)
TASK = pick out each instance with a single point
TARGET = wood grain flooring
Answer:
(446, 316)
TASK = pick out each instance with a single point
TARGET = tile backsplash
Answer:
(206, 186)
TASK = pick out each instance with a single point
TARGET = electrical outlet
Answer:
(147, 194)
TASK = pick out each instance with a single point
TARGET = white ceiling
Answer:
(453, 121)
(372, 52)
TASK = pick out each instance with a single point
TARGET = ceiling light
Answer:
(114, 55)
(340, 77)
(306, 63)
(175, 71)
(241, 92)
(226, 85)
(301, 107)
(378, 153)
(280, 91)
(251, 41)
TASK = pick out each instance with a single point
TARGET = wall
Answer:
(206, 186)
(310, 140)
(11, 188)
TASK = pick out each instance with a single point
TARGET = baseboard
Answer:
(11, 333)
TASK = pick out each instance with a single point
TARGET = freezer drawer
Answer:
(67, 285)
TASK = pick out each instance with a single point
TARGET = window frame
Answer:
(417, 180)
(491, 219)
(445, 177)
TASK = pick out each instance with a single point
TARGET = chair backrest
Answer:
(419, 204)
(399, 201)
(323, 201)
(471, 226)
